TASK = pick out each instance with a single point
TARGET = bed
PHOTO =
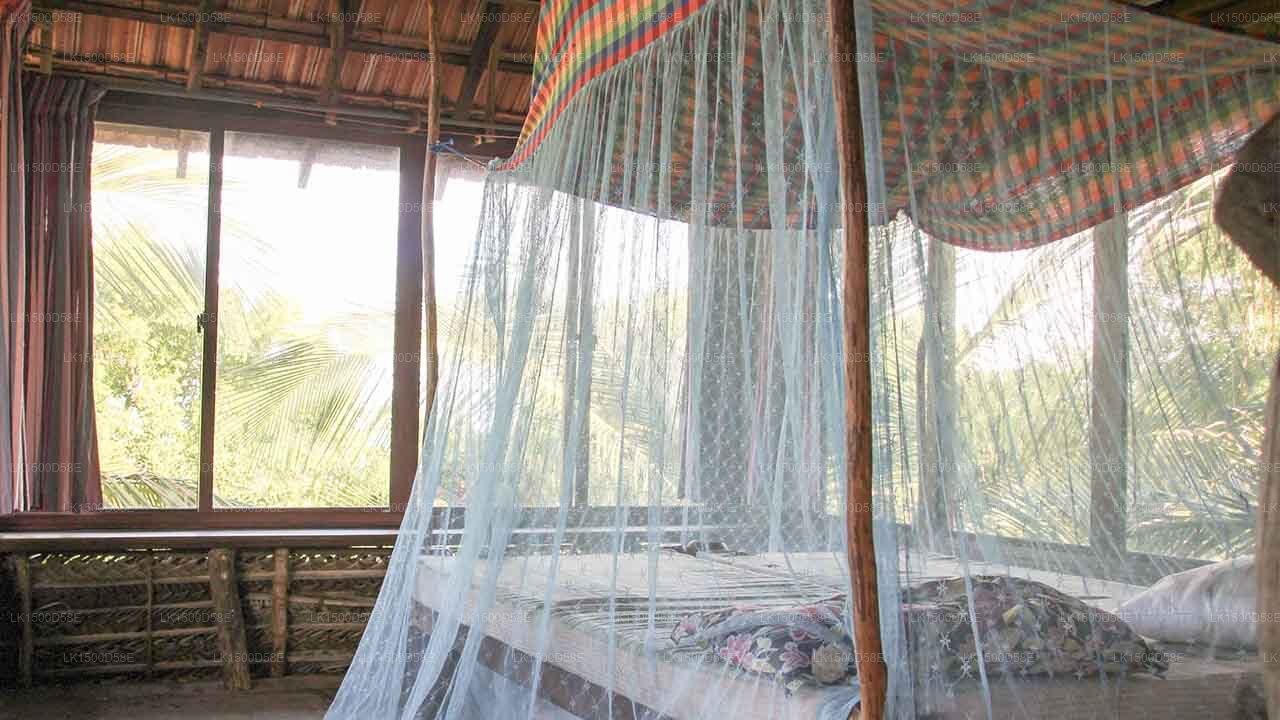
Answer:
(659, 679)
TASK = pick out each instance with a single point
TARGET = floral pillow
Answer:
(1026, 627)
(803, 645)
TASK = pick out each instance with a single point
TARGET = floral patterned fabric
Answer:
(1027, 628)
(804, 645)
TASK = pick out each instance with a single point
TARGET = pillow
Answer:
(800, 645)
(1215, 604)
(1027, 628)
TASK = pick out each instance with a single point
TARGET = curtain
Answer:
(14, 20)
(51, 419)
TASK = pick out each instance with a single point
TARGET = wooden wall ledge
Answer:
(74, 540)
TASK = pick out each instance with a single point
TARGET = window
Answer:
(150, 200)
(280, 390)
(306, 320)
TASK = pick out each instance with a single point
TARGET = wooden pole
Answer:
(198, 50)
(149, 564)
(571, 337)
(280, 612)
(586, 334)
(1247, 206)
(224, 587)
(339, 32)
(872, 672)
(407, 380)
(935, 376)
(208, 320)
(26, 633)
(1109, 406)
(428, 213)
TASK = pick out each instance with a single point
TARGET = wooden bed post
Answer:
(872, 671)
(1247, 206)
(428, 210)
(415, 291)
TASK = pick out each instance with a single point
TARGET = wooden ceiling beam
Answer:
(486, 37)
(340, 28)
(198, 52)
(297, 32)
(491, 99)
(147, 78)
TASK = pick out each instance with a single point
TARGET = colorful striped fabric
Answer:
(1046, 118)
(579, 40)
(1020, 122)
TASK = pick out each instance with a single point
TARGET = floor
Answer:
(160, 701)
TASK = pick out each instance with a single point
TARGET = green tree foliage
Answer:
(304, 418)
(303, 415)
(1204, 326)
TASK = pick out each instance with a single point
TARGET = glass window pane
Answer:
(150, 193)
(306, 323)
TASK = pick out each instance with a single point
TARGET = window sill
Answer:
(83, 540)
(195, 520)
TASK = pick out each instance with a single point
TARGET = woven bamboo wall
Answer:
(152, 614)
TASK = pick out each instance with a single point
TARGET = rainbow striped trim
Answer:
(578, 40)
(1040, 121)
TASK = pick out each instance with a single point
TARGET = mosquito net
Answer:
(630, 499)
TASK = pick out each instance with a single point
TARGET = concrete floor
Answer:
(160, 701)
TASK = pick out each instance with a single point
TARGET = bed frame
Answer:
(650, 672)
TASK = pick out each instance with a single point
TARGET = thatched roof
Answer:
(277, 54)
(271, 53)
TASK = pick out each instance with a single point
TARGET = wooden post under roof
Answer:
(149, 563)
(579, 346)
(405, 401)
(207, 322)
(310, 148)
(184, 154)
(198, 51)
(280, 612)
(491, 96)
(232, 645)
(339, 34)
(1109, 404)
(935, 392)
(428, 214)
(872, 672)
(26, 635)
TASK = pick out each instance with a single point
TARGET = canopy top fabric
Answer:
(1023, 122)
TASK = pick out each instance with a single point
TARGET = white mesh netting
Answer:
(630, 499)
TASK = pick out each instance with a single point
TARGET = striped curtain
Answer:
(51, 387)
(14, 20)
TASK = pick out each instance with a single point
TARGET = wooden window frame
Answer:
(217, 119)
